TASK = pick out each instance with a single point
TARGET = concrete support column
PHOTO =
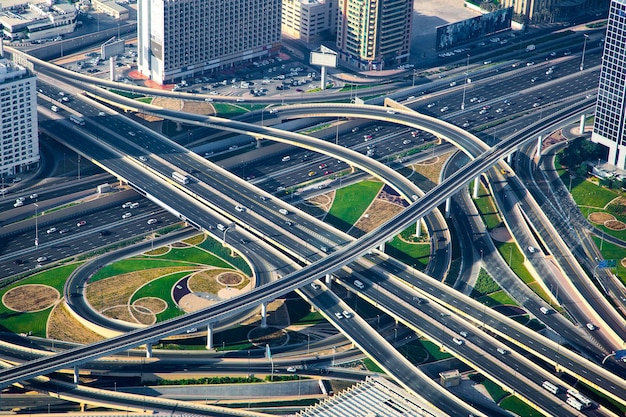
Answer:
(148, 350)
(539, 140)
(323, 78)
(476, 187)
(581, 126)
(179, 125)
(418, 227)
(258, 143)
(381, 247)
(264, 315)
(209, 336)
(328, 279)
(76, 374)
(448, 207)
(509, 158)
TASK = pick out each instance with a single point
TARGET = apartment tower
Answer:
(19, 143)
(374, 34)
(609, 128)
(179, 39)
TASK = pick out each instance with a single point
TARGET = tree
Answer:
(578, 151)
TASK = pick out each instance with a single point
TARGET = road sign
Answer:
(620, 355)
(607, 263)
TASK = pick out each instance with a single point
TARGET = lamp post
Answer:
(582, 60)
(36, 226)
(465, 82)
(415, 72)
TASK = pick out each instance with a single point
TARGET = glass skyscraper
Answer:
(610, 121)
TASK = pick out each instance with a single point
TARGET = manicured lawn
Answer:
(484, 284)
(371, 366)
(497, 298)
(351, 202)
(216, 247)
(519, 407)
(588, 194)
(610, 251)
(435, 353)
(414, 351)
(195, 255)
(133, 264)
(225, 109)
(496, 392)
(414, 254)
(487, 208)
(512, 255)
(162, 288)
(35, 322)
(313, 317)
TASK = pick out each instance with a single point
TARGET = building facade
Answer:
(609, 128)
(179, 39)
(19, 143)
(308, 20)
(374, 34)
(38, 21)
(537, 11)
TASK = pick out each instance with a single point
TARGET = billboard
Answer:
(472, 29)
(109, 49)
(324, 57)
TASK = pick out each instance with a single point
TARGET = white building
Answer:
(38, 21)
(19, 143)
(179, 39)
(609, 128)
(307, 20)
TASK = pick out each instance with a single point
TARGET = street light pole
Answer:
(36, 226)
(582, 61)
(465, 82)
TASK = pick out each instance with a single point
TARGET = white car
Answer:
(152, 221)
(126, 215)
(346, 314)
(283, 211)
(338, 315)
(532, 249)
(131, 133)
(444, 109)
(591, 326)
(291, 369)
(315, 286)
(134, 205)
(42, 259)
(18, 204)
(101, 114)
(458, 341)
(143, 158)
(126, 204)
(406, 141)
(51, 230)
(240, 209)
(34, 196)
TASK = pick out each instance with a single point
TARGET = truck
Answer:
(77, 119)
(530, 48)
(104, 188)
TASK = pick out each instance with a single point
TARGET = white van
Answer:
(283, 211)
(221, 227)
(54, 109)
(286, 158)
(358, 284)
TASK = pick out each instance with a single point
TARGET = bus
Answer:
(177, 176)
(574, 403)
(77, 119)
(549, 386)
(586, 402)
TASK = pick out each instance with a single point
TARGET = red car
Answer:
(328, 172)
(81, 223)
(322, 166)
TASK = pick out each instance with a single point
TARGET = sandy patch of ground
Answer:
(119, 312)
(615, 225)
(192, 302)
(228, 292)
(600, 218)
(553, 138)
(195, 107)
(155, 305)
(117, 290)
(431, 168)
(30, 298)
(63, 326)
(323, 201)
(501, 234)
(277, 315)
(376, 214)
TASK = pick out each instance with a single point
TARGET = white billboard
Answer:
(323, 59)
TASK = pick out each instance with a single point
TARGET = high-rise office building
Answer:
(19, 143)
(374, 34)
(308, 20)
(609, 128)
(179, 39)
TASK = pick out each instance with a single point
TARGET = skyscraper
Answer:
(374, 34)
(178, 39)
(19, 143)
(609, 128)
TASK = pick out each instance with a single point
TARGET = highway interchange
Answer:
(229, 203)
